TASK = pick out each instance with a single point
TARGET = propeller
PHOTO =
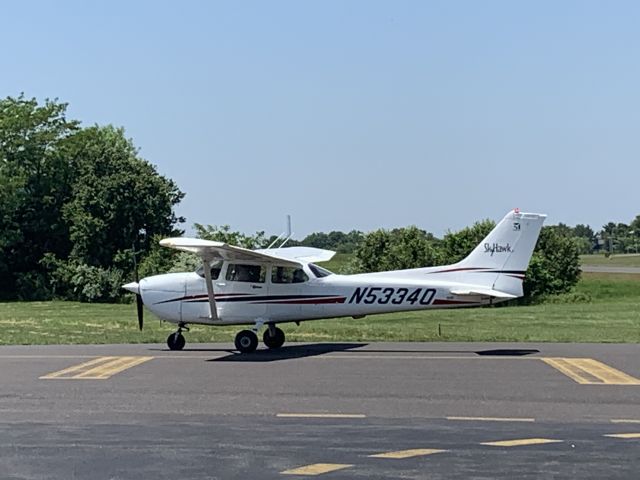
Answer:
(134, 287)
(140, 315)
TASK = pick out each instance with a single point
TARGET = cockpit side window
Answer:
(319, 272)
(246, 273)
(215, 270)
(288, 275)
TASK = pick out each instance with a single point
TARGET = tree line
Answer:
(75, 202)
(79, 204)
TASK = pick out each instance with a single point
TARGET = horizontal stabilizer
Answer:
(485, 292)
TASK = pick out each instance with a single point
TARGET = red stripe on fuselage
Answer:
(306, 301)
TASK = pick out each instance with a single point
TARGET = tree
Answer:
(338, 241)
(118, 199)
(35, 181)
(583, 231)
(73, 202)
(457, 245)
(555, 265)
(397, 249)
(585, 237)
(225, 234)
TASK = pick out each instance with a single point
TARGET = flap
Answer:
(302, 254)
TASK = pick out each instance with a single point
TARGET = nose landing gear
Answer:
(176, 340)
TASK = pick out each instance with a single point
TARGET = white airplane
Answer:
(237, 286)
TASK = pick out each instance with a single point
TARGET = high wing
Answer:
(301, 254)
(210, 250)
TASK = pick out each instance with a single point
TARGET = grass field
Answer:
(626, 260)
(612, 315)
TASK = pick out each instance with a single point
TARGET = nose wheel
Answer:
(176, 340)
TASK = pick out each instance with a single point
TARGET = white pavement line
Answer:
(624, 420)
(492, 419)
(321, 415)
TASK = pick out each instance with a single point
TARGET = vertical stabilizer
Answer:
(503, 256)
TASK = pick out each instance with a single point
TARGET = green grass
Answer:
(613, 315)
(338, 262)
(623, 260)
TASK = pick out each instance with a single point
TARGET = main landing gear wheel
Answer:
(273, 337)
(246, 341)
(176, 341)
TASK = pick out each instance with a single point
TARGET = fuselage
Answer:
(265, 295)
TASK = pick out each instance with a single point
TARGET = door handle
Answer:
(256, 286)
(221, 284)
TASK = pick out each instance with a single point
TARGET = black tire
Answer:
(246, 341)
(176, 341)
(273, 341)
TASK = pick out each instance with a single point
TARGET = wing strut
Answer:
(213, 315)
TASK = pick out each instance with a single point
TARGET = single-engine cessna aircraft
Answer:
(236, 286)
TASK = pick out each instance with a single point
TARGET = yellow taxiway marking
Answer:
(99, 368)
(623, 435)
(624, 420)
(521, 442)
(416, 452)
(321, 415)
(45, 356)
(492, 419)
(588, 371)
(316, 469)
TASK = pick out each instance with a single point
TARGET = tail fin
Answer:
(505, 253)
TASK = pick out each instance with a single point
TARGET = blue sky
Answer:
(354, 114)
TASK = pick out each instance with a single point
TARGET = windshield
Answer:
(319, 272)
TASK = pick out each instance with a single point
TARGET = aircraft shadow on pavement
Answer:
(508, 352)
(289, 352)
(513, 352)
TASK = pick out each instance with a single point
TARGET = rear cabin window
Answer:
(215, 270)
(288, 275)
(246, 273)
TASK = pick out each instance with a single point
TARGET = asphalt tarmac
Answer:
(332, 410)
